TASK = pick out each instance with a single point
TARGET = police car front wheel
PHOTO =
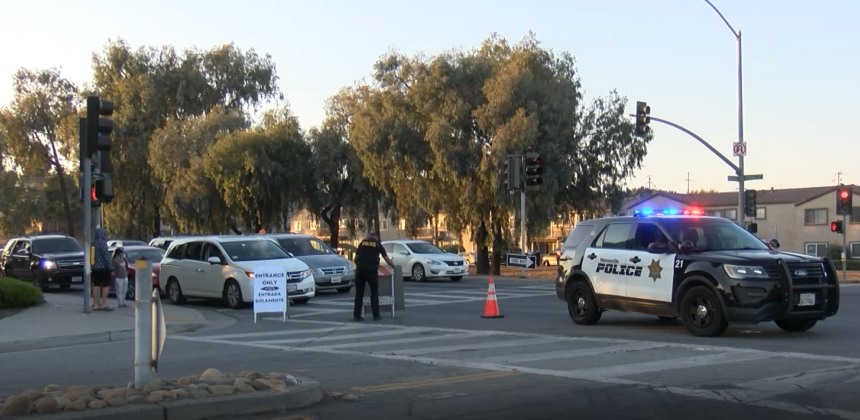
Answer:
(702, 314)
(581, 305)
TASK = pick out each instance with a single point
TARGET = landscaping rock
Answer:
(156, 397)
(96, 404)
(46, 405)
(186, 380)
(253, 376)
(152, 387)
(180, 393)
(78, 405)
(15, 405)
(32, 394)
(118, 402)
(137, 399)
(211, 375)
(52, 388)
(224, 381)
(61, 402)
(260, 385)
(243, 388)
(199, 393)
(220, 390)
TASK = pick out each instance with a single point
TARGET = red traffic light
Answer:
(833, 226)
(843, 194)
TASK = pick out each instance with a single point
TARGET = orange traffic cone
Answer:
(491, 308)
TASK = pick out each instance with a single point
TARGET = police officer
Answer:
(367, 264)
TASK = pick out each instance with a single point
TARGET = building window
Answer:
(815, 217)
(403, 224)
(816, 249)
(313, 225)
(855, 215)
(731, 214)
(342, 223)
(854, 249)
(383, 224)
(761, 213)
(297, 226)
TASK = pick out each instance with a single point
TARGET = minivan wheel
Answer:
(233, 295)
(174, 292)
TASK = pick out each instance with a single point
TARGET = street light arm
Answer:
(734, 32)
(701, 140)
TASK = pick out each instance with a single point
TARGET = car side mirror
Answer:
(22, 252)
(658, 248)
(774, 243)
(687, 246)
(214, 260)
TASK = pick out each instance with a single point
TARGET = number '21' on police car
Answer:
(706, 270)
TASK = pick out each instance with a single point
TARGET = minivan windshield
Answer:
(305, 246)
(254, 250)
(55, 245)
(424, 248)
(712, 235)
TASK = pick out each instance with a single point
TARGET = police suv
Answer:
(706, 270)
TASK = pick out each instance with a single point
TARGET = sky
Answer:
(801, 90)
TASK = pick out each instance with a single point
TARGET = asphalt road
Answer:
(440, 360)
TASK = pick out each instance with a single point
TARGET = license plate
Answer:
(291, 288)
(77, 279)
(457, 270)
(807, 299)
(335, 280)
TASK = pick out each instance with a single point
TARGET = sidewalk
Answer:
(62, 322)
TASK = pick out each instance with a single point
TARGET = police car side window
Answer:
(615, 236)
(646, 233)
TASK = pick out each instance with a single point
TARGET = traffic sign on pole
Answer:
(758, 177)
(521, 261)
(739, 149)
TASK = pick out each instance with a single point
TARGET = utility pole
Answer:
(688, 182)
(838, 178)
(649, 182)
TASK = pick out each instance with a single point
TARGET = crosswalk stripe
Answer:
(475, 346)
(401, 341)
(667, 364)
(566, 354)
(289, 332)
(336, 337)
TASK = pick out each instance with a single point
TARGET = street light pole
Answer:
(737, 34)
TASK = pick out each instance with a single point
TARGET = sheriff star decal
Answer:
(654, 270)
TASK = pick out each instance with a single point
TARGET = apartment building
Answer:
(798, 217)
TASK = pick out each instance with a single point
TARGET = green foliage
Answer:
(18, 294)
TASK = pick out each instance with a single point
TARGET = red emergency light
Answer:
(693, 212)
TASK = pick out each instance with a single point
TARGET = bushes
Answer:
(18, 294)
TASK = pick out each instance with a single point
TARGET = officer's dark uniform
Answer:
(367, 264)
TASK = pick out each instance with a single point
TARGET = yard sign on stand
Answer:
(270, 291)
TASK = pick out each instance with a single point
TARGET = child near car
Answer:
(120, 270)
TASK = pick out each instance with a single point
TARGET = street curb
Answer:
(307, 392)
(77, 340)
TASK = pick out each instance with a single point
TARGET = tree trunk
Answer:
(332, 218)
(67, 208)
(375, 207)
(156, 222)
(498, 244)
(436, 229)
(482, 263)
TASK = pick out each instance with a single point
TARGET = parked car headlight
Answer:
(48, 265)
(304, 274)
(433, 262)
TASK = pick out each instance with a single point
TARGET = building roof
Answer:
(796, 196)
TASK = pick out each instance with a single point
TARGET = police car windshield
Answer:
(424, 248)
(712, 235)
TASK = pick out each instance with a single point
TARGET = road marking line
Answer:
(566, 354)
(402, 341)
(430, 382)
(290, 332)
(616, 371)
(335, 337)
(475, 346)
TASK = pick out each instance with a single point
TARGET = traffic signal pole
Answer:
(845, 246)
(522, 187)
(86, 183)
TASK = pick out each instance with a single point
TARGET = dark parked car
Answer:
(44, 260)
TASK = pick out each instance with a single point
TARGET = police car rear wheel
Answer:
(702, 314)
(796, 325)
(581, 306)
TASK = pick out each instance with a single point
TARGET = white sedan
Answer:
(421, 260)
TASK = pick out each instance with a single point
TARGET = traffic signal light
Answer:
(98, 129)
(94, 199)
(506, 173)
(534, 169)
(836, 226)
(103, 188)
(512, 173)
(642, 118)
(750, 203)
(844, 198)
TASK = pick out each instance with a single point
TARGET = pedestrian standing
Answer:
(101, 271)
(367, 266)
(120, 274)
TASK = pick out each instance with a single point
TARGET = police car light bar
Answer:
(667, 212)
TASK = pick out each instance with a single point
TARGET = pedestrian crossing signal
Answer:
(836, 226)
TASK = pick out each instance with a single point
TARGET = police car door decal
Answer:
(658, 274)
(607, 271)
